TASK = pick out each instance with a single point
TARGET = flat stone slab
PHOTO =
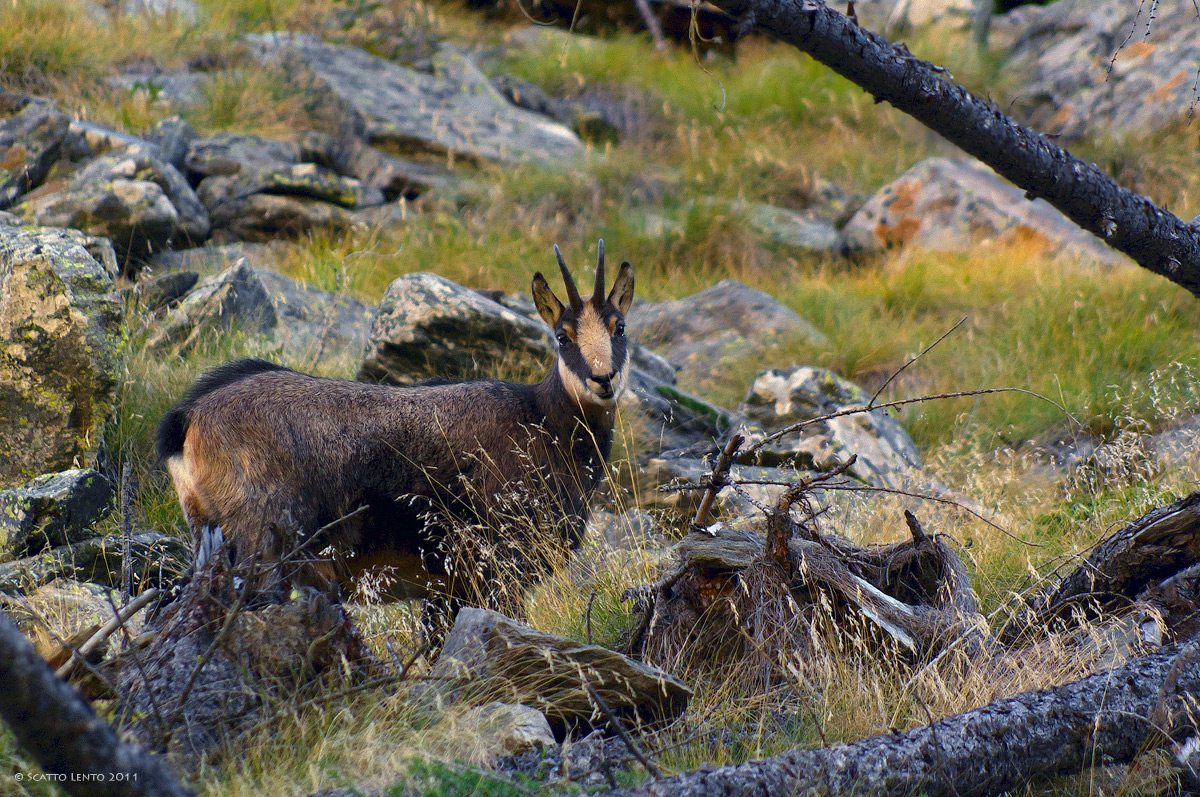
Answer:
(489, 654)
(457, 113)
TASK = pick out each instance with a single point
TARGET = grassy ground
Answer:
(1117, 348)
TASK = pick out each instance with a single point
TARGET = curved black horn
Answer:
(598, 291)
(572, 291)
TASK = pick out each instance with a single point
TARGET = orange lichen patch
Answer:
(14, 157)
(1163, 92)
(1061, 117)
(1028, 238)
(899, 233)
(906, 197)
(1135, 50)
(945, 203)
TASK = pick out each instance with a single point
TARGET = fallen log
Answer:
(1112, 717)
(60, 729)
(1153, 561)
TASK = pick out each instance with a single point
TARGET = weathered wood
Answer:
(992, 749)
(1128, 222)
(54, 723)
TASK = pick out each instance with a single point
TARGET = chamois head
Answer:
(593, 355)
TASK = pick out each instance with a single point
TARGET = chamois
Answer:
(388, 473)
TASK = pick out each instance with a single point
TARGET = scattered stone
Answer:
(138, 202)
(957, 205)
(488, 656)
(706, 332)
(55, 509)
(779, 398)
(156, 559)
(302, 179)
(73, 605)
(398, 178)
(428, 326)
(101, 140)
(313, 324)
(508, 728)
(458, 113)
(582, 763)
(233, 298)
(30, 142)
(173, 137)
(589, 125)
(229, 153)
(60, 336)
(303, 322)
(263, 217)
(1103, 67)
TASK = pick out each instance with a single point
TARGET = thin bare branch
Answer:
(922, 353)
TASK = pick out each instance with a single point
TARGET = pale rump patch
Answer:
(594, 341)
(184, 479)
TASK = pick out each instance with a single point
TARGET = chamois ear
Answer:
(622, 290)
(548, 305)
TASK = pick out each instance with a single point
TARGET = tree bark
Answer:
(54, 723)
(992, 749)
(1128, 222)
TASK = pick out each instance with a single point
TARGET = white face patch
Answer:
(594, 341)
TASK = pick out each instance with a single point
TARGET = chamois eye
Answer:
(563, 339)
(620, 329)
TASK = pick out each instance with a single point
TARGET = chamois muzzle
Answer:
(602, 385)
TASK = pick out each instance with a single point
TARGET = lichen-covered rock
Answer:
(101, 140)
(60, 335)
(1102, 67)
(396, 177)
(155, 559)
(706, 332)
(30, 142)
(134, 199)
(457, 112)
(229, 153)
(262, 217)
(779, 398)
(55, 509)
(173, 137)
(488, 654)
(957, 206)
(429, 326)
(301, 179)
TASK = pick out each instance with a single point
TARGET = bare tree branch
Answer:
(1128, 222)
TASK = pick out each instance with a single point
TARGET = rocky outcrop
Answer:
(301, 180)
(506, 729)
(780, 398)
(30, 141)
(1103, 67)
(303, 322)
(138, 202)
(428, 326)
(486, 653)
(60, 334)
(264, 217)
(708, 331)
(959, 206)
(55, 509)
(230, 153)
(458, 112)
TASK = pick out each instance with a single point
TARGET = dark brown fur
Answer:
(271, 455)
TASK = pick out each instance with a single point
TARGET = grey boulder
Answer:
(30, 142)
(55, 509)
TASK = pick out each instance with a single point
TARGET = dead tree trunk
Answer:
(986, 751)
(54, 723)
(1126, 221)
